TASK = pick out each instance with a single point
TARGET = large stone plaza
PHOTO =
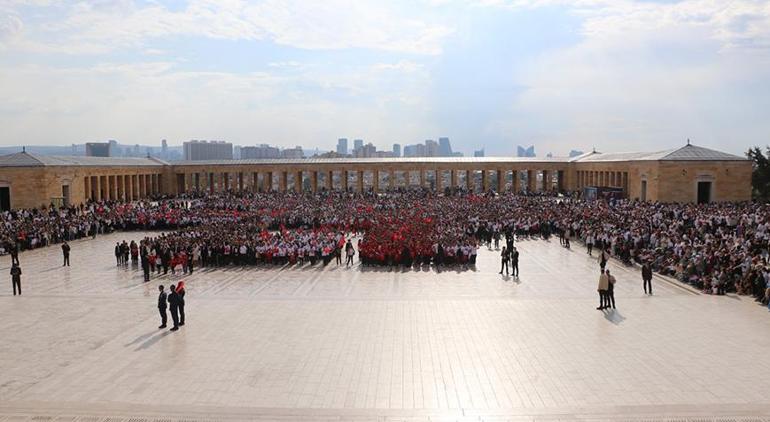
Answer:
(372, 344)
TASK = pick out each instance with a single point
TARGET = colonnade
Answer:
(602, 178)
(301, 180)
(122, 187)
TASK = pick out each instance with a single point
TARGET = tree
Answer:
(760, 177)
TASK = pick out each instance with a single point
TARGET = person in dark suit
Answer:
(647, 277)
(515, 262)
(65, 249)
(16, 278)
(505, 256)
(145, 260)
(14, 250)
(180, 291)
(610, 290)
(162, 305)
(173, 302)
(118, 253)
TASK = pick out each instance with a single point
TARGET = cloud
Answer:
(97, 27)
(11, 27)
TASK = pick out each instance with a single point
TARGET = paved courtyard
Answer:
(372, 344)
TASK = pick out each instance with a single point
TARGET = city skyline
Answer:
(488, 74)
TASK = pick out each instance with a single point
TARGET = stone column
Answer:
(344, 175)
(98, 187)
(329, 182)
(453, 178)
(105, 187)
(392, 180)
(500, 180)
(469, 176)
(298, 181)
(282, 181)
(546, 181)
(314, 181)
(439, 177)
(376, 180)
(423, 179)
(485, 180)
(514, 181)
(531, 180)
(268, 181)
(360, 181)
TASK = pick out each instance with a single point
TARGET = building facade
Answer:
(207, 150)
(687, 174)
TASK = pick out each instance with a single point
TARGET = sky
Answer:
(614, 75)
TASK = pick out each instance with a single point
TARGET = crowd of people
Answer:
(716, 247)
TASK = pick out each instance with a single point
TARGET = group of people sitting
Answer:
(717, 247)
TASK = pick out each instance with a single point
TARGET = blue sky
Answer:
(559, 74)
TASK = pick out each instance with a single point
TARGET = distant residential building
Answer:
(444, 147)
(236, 152)
(431, 148)
(293, 153)
(479, 153)
(358, 144)
(525, 152)
(207, 150)
(575, 153)
(396, 150)
(342, 146)
(260, 152)
(417, 150)
(97, 149)
(549, 155)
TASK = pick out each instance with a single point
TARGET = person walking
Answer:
(180, 291)
(65, 249)
(515, 262)
(647, 278)
(162, 305)
(602, 289)
(173, 303)
(610, 290)
(16, 278)
(590, 244)
(505, 257)
(350, 252)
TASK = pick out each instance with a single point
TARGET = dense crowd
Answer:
(717, 247)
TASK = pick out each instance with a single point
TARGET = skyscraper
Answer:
(444, 147)
(431, 148)
(358, 144)
(396, 150)
(525, 152)
(342, 146)
(479, 153)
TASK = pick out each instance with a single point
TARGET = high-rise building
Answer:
(575, 153)
(396, 150)
(358, 144)
(207, 150)
(97, 149)
(444, 147)
(525, 152)
(431, 148)
(479, 153)
(164, 148)
(342, 146)
(237, 152)
(259, 152)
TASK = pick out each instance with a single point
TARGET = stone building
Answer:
(686, 174)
